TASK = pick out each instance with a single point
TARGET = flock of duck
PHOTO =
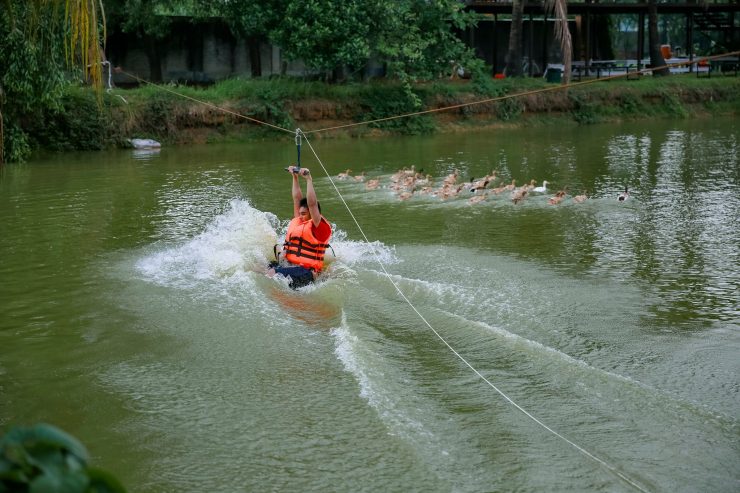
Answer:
(407, 182)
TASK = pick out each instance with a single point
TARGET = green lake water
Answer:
(131, 315)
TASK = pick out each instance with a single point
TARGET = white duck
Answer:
(541, 189)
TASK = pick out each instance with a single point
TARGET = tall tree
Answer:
(325, 34)
(562, 34)
(656, 56)
(417, 37)
(514, 55)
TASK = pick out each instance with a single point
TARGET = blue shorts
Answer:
(299, 276)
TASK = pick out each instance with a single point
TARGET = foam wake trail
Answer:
(411, 415)
(435, 298)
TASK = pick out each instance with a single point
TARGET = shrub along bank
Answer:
(151, 112)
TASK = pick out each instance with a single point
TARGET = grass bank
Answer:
(151, 112)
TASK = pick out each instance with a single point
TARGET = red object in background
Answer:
(499, 76)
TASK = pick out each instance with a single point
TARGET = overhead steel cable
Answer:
(297, 134)
(210, 105)
(526, 93)
(581, 449)
(445, 108)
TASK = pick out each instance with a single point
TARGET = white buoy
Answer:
(144, 144)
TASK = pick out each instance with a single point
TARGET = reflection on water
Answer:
(681, 239)
(677, 237)
(146, 154)
(310, 310)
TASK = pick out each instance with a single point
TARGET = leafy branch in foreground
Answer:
(43, 458)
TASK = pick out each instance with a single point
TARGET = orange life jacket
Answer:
(301, 246)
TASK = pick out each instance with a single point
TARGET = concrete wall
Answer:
(202, 52)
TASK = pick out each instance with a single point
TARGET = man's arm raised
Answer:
(296, 191)
(313, 204)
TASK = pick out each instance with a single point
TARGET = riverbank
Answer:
(177, 114)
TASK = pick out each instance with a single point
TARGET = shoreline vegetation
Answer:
(151, 112)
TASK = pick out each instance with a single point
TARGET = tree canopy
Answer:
(416, 38)
(44, 45)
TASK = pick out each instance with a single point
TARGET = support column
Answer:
(495, 43)
(690, 39)
(733, 41)
(545, 37)
(640, 39)
(530, 48)
(587, 30)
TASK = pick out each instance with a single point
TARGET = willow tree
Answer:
(42, 42)
(562, 34)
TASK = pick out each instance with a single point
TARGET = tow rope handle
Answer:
(297, 167)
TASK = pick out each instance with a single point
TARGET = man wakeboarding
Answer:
(307, 238)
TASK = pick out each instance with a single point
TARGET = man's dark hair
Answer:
(304, 203)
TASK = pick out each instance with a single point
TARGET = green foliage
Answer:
(509, 109)
(32, 75)
(44, 46)
(672, 105)
(45, 459)
(325, 34)
(158, 115)
(630, 104)
(80, 123)
(16, 145)
(246, 18)
(416, 37)
(152, 113)
(140, 17)
(585, 111)
(485, 86)
(383, 101)
(269, 106)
